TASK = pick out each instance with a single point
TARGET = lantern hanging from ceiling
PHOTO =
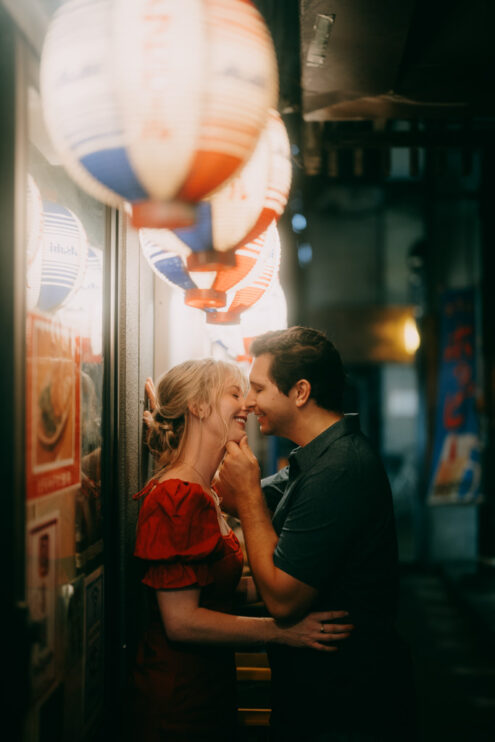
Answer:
(277, 185)
(167, 255)
(34, 230)
(134, 116)
(244, 295)
(64, 256)
(243, 208)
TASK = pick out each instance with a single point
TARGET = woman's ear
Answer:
(199, 410)
(193, 408)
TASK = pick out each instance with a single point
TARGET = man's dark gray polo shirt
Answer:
(332, 510)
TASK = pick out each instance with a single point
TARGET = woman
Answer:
(184, 680)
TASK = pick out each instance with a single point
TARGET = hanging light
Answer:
(136, 119)
(242, 209)
(280, 175)
(251, 290)
(411, 336)
(167, 256)
(64, 256)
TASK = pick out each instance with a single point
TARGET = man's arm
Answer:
(284, 596)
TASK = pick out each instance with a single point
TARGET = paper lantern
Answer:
(167, 256)
(279, 178)
(242, 209)
(64, 256)
(156, 99)
(34, 234)
(250, 291)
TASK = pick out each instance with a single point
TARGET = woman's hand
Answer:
(149, 401)
(316, 631)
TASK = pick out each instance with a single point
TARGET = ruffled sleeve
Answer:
(177, 534)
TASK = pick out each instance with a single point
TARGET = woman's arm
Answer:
(186, 621)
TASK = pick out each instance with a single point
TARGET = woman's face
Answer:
(231, 414)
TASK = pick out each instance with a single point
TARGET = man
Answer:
(331, 544)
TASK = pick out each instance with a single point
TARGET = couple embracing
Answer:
(320, 541)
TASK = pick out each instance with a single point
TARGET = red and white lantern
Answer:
(252, 289)
(167, 256)
(135, 116)
(278, 182)
(242, 209)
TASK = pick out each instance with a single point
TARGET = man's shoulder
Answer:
(353, 447)
(349, 462)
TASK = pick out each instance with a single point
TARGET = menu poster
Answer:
(42, 548)
(53, 402)
(456, 469)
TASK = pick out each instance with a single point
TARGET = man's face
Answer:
(272, 407)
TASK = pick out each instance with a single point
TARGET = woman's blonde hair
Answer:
(192, 383)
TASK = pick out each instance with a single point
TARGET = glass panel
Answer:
(65, 243)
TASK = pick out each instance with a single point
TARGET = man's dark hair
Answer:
(304, 353)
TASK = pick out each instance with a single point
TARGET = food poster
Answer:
(42, 553)
(456, 470)
(93, 646)
(53, 403)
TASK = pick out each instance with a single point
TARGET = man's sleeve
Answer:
(274, 488)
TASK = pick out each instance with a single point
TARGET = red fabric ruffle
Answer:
(178, 533)
(173, 575)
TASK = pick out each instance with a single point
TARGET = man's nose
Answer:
(249, 400)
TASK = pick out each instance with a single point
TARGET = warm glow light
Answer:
(411, 336)
(133, 118)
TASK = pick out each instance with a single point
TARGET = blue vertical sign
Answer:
(456, 465)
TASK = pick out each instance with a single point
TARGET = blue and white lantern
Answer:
(64, 256)
(168, 256)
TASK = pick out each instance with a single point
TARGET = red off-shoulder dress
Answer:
(185, 692)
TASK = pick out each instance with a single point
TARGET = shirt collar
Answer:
(303, 457)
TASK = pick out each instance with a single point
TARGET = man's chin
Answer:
(265, 429)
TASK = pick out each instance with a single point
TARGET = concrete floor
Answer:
(454, 657)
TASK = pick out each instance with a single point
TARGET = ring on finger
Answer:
(322, 628)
